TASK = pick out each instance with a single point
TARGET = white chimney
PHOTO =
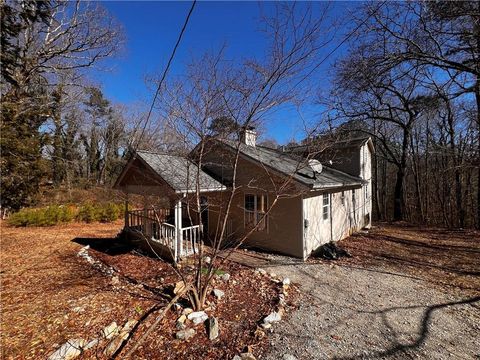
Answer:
(249, 136)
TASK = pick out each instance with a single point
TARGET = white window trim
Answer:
(255, 212)
(327, 206)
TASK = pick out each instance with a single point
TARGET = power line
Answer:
(166, 70)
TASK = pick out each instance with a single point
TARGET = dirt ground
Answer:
(407, 292)
(50, 295)
(443, 258)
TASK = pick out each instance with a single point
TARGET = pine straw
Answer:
(445, 258)
(50, 295)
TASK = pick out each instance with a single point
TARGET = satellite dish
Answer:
(315, 165)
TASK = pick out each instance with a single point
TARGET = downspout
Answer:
(302, 231)
(331, 220)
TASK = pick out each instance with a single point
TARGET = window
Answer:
(326, 206)
(342, 198)
(255, 209)
(366, 192)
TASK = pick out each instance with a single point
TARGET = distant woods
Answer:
(411, 80)
(55, 126)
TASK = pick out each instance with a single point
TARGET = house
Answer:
(313, 199)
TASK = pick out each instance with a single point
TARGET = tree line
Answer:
(55, 125)
(411, 80)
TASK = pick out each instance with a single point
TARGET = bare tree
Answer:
(246, 93)
(412, 60)
(43, 44)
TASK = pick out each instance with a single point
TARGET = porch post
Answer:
(127, 225)
(147, 222)
(178, 228)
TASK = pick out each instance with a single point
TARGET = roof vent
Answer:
(315, 165)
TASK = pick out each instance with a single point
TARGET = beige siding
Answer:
(344, 219)
(317, 230)
(285, 221)
(286, 232)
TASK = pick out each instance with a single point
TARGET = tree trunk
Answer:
(399, 198)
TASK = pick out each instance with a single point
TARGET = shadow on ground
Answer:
(110, 246)
(400, 348)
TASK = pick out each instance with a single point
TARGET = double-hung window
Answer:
(326, 206)
(255, 209)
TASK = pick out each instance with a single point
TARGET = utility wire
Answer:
(164, 75)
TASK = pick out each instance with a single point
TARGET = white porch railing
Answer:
(190, 240)
(180, 243)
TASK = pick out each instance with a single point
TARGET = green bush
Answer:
(100, 212)
(88, 213)
(109, 212)
(56, 214)
(47, 216)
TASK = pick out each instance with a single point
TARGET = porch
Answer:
(172, 241)
(171, 228)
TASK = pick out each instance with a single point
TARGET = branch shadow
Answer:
(422, 335)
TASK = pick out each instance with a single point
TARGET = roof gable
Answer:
(179, 173)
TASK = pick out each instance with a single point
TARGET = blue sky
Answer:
(152, 27)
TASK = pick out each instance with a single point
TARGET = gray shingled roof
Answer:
(179, 172)
(288, 164)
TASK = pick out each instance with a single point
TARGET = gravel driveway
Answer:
(348, 313)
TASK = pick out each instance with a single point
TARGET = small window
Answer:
(255, 211)
(366, 192)
(326, 206)
(250, 202)
(342, 198)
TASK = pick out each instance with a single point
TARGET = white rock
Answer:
(225, 277)
(273, 275)
(261, 271)
(247, 356)
(110, 331)
(212, 328)
(185, 334)
(187, 311)
(115, 280)
(272, 318)
(289, 357)
(197, 317)
(91, 344)
(286, 281)
(70, 350)
(207, 259)
(179, 287)
(236, 357)
(218, 293)
(117, 341)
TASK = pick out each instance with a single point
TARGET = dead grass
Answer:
(447, 258)
(50, 295)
